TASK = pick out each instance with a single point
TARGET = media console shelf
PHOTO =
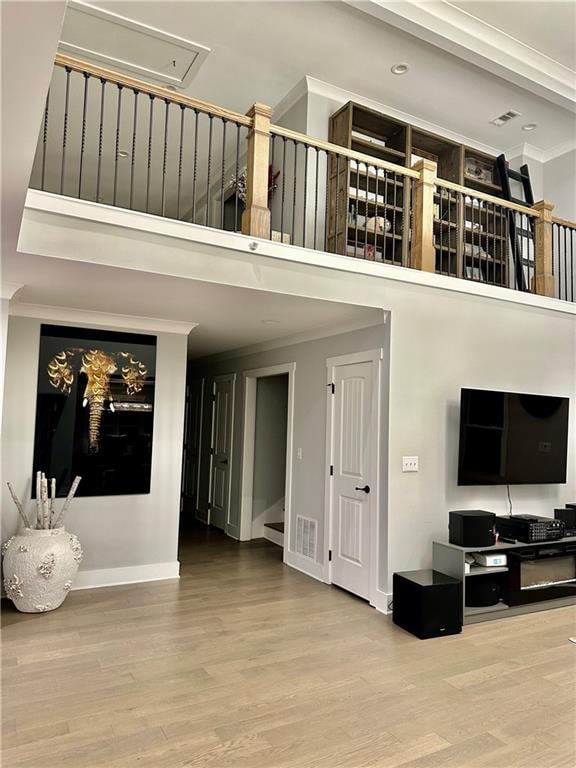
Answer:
(450, 559)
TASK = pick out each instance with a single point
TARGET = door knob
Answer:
(223, 461)
(366, 488)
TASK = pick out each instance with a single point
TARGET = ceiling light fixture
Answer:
(399, 69)
(270, 322)
(529, 126)
(123, 153)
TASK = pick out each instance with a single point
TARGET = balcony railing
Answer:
(112, 139)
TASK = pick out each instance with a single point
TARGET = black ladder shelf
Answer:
(517, 234)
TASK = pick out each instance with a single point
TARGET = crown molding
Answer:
(9, 290)
(90, 318)
(290, 99)
(329, 91)
(462, 34)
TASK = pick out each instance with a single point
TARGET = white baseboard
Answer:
(276, 537)
(303, 564)
(382, 601)
(110, 577)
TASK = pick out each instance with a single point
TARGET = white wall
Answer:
(560, 184)
(125, 538)
(269, 452)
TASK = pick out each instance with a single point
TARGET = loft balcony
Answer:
(117, 141)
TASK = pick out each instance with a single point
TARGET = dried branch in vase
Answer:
(46, 517)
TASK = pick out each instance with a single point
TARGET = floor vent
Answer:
(306, 537)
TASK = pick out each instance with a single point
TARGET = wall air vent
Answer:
(505, 118)
(306, 537)
(115, 42)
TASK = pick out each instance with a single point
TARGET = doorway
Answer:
(353, 444)
(267, 453)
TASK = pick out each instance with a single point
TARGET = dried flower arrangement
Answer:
(239, 184)
(46, 516)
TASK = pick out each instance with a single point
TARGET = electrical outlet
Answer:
(409, 463)
(299, 454)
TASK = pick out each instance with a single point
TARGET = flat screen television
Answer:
(512, 438)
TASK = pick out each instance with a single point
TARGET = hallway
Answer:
(244, 662)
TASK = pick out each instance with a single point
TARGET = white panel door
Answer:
(354, 437)
(221, 450)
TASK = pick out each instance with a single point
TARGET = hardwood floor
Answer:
(249, 664)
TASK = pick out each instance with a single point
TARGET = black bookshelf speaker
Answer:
(427, 603)
(472, 528)
(568, 516)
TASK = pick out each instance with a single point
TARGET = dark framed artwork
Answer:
(95, 410)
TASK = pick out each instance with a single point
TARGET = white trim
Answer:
(289, 341)
(248, 443)
(228, 526)
(276, 537)
(311, 568)
(382, 601)
(89, 318)
(374, 356)
(133, 574)
(462, 34)
(8, 290)
(289, 100)
(96, 213)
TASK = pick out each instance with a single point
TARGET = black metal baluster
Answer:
(316, 196)
(117, 147)
(83, 132)
(272, 151)
(133, 157)
(45, 141)
(224, 121)
(283, 189)
(65, 130)
(327, 202)
(165, 155)
(367, 185)
(180, 149)
(304, 208)
(195, 171)
(393, 240)
(149, 160)
(572, 264)
(337, 205)
(100, 130)
(376, 179)
(210, 130)
(566, 263)
(441, 227)
(237, 171)
(451, 267)
(385, 237)
(356, 213)
(294, 185)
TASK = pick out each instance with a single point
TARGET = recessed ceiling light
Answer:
(529, 126)
(399, 69)
(270, 322)
(123, 153)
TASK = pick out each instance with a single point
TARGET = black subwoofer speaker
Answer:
(482, 591)
(427, 603)
(471, 528)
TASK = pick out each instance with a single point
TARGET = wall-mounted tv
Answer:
(512, 438)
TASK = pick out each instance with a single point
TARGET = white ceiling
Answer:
(260, 50)
(228, 318)
(548, 27)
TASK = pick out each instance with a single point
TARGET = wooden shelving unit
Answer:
(471, 239)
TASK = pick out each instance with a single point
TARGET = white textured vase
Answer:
(39, 568)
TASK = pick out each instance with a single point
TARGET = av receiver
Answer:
(529, 528)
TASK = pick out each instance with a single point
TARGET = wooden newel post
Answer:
(543, 256)
(256, 216)
(423, 252)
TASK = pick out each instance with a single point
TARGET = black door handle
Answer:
(366, 489)
(223, 461)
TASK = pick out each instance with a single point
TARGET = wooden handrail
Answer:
(79, 65)
(336, 149)
(564, 222)
(488, 198)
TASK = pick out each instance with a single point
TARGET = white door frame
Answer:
(231, 377)
(199, 436)
(247, 493)
(376, 357)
